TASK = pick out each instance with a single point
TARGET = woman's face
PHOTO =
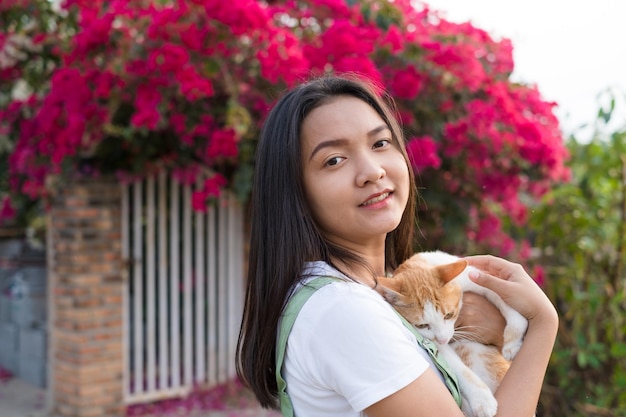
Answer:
(356, 180)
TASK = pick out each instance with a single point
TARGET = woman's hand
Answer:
(511, 282)
(528, 368)
(480, 320)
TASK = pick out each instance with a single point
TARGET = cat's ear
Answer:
(389, 288)
(448, 272)
(394, 283)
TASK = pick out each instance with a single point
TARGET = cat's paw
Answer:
(510, 348)
(513, 336)
(481, 404)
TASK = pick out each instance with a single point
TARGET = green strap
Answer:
(448, 376)
(289, 315)
(288, 319)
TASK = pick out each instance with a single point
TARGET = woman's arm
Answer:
(426, 396)
(518, 393)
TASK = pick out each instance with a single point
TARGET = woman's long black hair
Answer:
(283, 234)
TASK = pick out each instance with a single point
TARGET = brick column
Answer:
(87, 282)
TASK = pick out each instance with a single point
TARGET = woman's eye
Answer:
(382, 143)
(334, 161)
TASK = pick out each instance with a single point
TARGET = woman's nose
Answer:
(370, 170)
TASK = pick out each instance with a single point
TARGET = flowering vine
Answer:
(128, 87)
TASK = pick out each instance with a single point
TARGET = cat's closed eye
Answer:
(448, 316)
(423, 326)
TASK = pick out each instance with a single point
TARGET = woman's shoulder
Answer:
(343, 300)
(341, 340)
(315, 269)
(344, 307)
(340, 286)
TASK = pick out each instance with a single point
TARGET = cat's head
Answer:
(424, 295)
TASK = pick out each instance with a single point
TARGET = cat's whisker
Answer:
(471, 327)
(468, 333)
(464, 336)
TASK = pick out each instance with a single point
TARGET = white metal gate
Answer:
(184, 295)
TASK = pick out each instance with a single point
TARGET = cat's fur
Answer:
(427, 290)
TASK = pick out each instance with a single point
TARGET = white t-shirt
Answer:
(347, 350)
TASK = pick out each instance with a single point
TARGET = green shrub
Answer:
(580, 233)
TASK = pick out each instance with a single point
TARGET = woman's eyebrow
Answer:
(326, 144)
(339, 142)
(377, 130)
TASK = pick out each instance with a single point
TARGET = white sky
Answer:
(572, 49)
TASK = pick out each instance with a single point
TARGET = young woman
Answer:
(334, 195)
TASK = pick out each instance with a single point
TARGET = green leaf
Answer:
(618, 350)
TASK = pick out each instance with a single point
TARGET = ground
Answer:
(19, 399)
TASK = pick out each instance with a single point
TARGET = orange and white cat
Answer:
(427, 290)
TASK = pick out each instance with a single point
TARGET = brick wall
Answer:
(87, 281)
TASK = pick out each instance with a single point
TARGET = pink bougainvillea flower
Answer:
(211, 190)
(178, 124)
(406, 117)
(283, 58)
(345, 38)
(539, 275)
(105, 82)
(187, 175)
(7, 212)
(194, 37)
(213, 185)
(201, 132)
(407, 83)
(169, 58)
(337, 7)
(165, 73)
(423, 153)
(146, 103)
(223, 143)
(241, 17)
(198, 201)
(194, 86)
(95, 33)
(393, 37)
(361, 65)
(148, 118)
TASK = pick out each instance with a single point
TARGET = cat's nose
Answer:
(442, 340)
